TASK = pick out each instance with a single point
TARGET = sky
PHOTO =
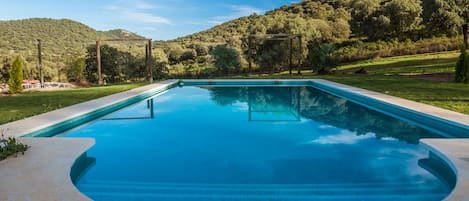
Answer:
(156, 19)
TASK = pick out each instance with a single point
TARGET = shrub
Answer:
(16, 76)
(9, 146)
(323, 57)
(462, 67)
(226, 58)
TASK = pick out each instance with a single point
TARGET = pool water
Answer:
(255, 143)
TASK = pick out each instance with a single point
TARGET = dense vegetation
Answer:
(333, 32)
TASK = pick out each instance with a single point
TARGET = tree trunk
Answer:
(465, 34)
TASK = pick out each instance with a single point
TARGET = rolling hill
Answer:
(61, 40)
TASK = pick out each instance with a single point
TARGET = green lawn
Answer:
(387, 76)
(31, 103)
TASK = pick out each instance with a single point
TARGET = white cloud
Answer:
(143, 5)
(345, 137)
(146, 17)
(137, 11)
(236, 12)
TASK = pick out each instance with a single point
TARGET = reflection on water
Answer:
(256, 143)
(313, 104)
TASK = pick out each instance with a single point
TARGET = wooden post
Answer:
(147, 59)
(465, 34)
(98, 61)
(300, 54)
(249, 54)
(58, 68)
(39, 55)
(291, 55)
(150, 62)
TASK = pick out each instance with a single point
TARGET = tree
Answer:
(16, 76)
(443, 17)
(5, 71)
(226, 58)
(362, 11)
(75, 70)
(323, 57)
(405, 15)
(113, 64)
(462, 67)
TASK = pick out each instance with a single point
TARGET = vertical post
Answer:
(98, 61)
(152, 110)
(465, 33)
(150, 62)
(58, 69)
(249, 53)
(300, 54)
(39, 55)
(147, 59)
(291, 55)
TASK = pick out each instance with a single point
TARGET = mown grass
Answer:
(27, 104)
(388, 76)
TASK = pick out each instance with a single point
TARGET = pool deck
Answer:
(43, 173)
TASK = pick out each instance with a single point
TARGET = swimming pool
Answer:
(258, 143)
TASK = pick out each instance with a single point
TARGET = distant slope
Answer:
(61, 39)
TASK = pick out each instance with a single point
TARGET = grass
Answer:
(31, 103)
(388, 75)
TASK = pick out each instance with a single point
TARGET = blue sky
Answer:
(157, 19)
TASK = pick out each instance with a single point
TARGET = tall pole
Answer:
(249, 54)
(39, 55)
(150, 62)
(58, 68)
(300, 54)
(291, 55)
(98, 61)
(465, 33)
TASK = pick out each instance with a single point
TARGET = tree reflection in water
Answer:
(318, 106)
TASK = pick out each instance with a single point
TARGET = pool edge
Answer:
(461, 167)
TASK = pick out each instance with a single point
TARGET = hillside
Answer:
(358, 29)
(61, 39)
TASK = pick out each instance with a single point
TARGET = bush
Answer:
(10, 147)
(75, 70)
(226, 58)
(323, 57)
(16, 76)
(462, 67)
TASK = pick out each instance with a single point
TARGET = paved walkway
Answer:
(43, 172)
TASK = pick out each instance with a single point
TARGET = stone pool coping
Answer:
(43, 172)
(456, 156)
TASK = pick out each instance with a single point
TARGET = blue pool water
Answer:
(255, 143)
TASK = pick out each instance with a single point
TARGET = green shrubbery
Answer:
(16, 76)
(9, 146)
(355, 50)
(462, 67)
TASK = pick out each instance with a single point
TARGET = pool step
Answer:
(115, 190)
